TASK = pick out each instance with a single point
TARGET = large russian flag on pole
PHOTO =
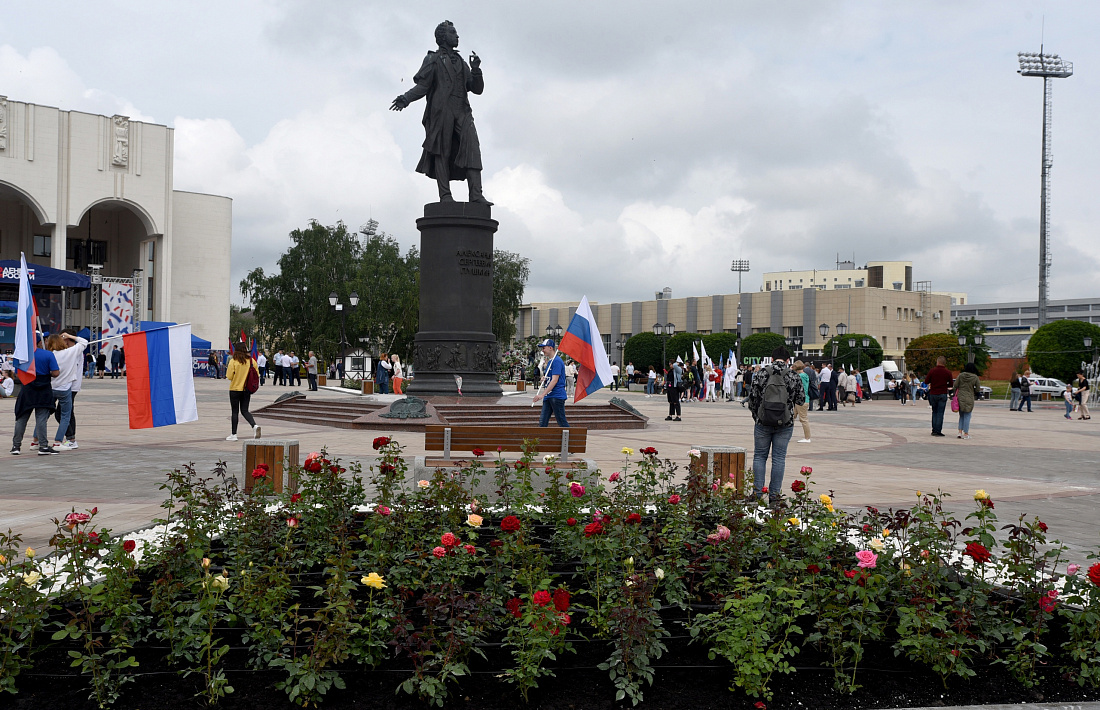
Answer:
(583, 343)
(159, 384)
(26, 319)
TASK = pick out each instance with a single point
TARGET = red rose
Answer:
(478, 452)
(988, 503)
(866, 528)
(541, 598)
(295, 498)
(633, 519)
(806, 470)
(449, 540)
(510, 524)
(764, 489)
(1042, 526)
(380, 442)
(313, 465)
(513, 606)
(593, 529)
(798, 486)
(813, 569)
(564, 619)
(470, 549)
(128, 545)
(978, 552)
(649, 451)
(439, 552)
(387, 468)
(571, 522)
(561, 599)
(260, 471)
(674, 499)
(94, 510)
(496, 543)
(93, 538)
(759, 705)
(1094, 574)
(850, 573)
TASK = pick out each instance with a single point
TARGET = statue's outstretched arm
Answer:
(423, 79)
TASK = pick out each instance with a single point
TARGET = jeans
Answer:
(41, 420)
(964, 422)
(939, 404)
(649, 386)
(263, 374)
(65, 406)
(1069, 410)
(1015, 401)
(557, 406)
(1024, 398)
(71, 432)
(776, 439)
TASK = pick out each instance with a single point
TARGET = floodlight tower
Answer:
(741, 266)
(1048, 66)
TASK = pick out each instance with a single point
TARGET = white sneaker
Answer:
(73, 445)
(256, 431)
(804, 441)
(231, 437)
(63, 446)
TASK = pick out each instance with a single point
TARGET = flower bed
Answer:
(627, 580)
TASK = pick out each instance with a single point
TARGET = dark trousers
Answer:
(238, 401)
(312, 381)
(830, 395)
(673, 396)
(41, 421)
(814, 397)
(939, 404)
(557, 406)
(277, 378)
(1024, 398)
(263, 374)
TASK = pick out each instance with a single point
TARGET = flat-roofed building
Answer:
(1023, 316)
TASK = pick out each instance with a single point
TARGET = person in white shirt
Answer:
(629, 374)
(261, 364)
(614, 376)
(651, 383)
(571, 378)
(7, 384)
(296, 369)
(68, 349)
(828, 387)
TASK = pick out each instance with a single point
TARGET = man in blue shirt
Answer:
(553, 396)
(36, 397)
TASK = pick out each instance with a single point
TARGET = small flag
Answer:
(694, 350)
(25, 321)
(876, 377)
(583, 343)
(160, 387)
(255, 352)
(706, 358)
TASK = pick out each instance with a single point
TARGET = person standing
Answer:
(968, 389)
(311, 371)
(553, 385)
(7, 384)
(1083, 395)
(571, 378)
(774, 393)
(1025, 392)
(800, 410)
(295, 369)
(261, 365)
(812, 390)
(211, 365)
(840, 379)
(1014, 389)
(615, 376)
(77, 382)
(939, 384)
(382, 374)
(116, 362)
(712, 380)
(36, 397)
(629, 374)
(68, 351)
(673, 383)
(237, 374)
(828, 388)
(101, 363)
(1067, 395)
(651, 382)
(398, 376)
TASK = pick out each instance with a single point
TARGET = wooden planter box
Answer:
(322, 380)
(521, 386)
(722, 461)
(368, 387)
(278, 454)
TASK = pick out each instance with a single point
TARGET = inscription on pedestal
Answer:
(472, 262)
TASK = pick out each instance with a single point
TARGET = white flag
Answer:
(877, 377)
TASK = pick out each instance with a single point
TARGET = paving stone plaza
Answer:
(879, 453)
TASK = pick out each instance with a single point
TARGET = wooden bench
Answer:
(551, 440)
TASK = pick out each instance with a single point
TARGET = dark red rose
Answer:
(561, 599)
(513, 606)
(978, 552)
(850, 573)
(593, 529)
(649, 451)
(295, 498)
(571, 522)
(541, 598)
(380, 442)
(798, 486)
(313, 465)
(866, 528)
(1042, 526)
(93, 538)
(633, 519)
(988, 503)
(813, 569)
(496, 543)
(1094, 574)
(129, 545)
(510, 524)
(478, 452)
(387, 468)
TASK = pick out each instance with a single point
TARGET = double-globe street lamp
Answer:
(859, 351)
(554, 331)
(976, 340)
(841, 330)
(334, 301)
(664, 331)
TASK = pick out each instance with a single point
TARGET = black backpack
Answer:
(773, 409)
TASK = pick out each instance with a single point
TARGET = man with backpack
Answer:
(774, 393)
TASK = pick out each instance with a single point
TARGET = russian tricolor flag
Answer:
(583, 343)
(25, 320)
(159, 384)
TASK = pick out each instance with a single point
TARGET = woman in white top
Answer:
(69, 352)
(398, 374)
(651, 384)
(7, 384)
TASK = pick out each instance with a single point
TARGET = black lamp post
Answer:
(665, 332)
(859, 350)
(1092, 354)
(977, 340)
(334, 301)
(620, 344)
(553, 331)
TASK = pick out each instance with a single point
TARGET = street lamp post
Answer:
(977, 340)
(859, 351)
(740, 266)
(664, 331)
(334, 301)
(620, 344)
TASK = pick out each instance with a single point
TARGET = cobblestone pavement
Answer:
(877, 453)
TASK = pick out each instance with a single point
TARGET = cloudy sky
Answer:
(628, 146)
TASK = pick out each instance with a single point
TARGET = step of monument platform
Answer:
(318, 412)
(602, 416)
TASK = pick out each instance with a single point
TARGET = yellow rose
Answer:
(877, 544)
(825, 500)
(3, 560)
(627, 451)
(31, 578)
(980, 494)
(374, 580)
(206, 563)
(886, 532)
(829, 507)
(30, 552)
(474, 520)
(794, 521)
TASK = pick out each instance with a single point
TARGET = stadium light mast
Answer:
(1048, 66)
(740, 266)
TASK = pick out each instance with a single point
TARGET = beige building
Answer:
(78, 189)
(893, 318)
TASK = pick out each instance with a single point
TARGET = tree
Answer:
(920, 356)
(240, 319)
(719, 345)
(644, 350)
(510, 274)
(970, 328)
(859, 356)
(761, 345)
(680, 345)
(388, 286)
(1058, 348)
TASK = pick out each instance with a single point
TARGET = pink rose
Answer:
(714, 486)
(383, 510)
(576, 489)
(470, 549)
(292, 522)
(712, 538)
(867, 559)
(1073, 569)
(77, 518)
(674, 499)
(439, 552)
(614, 477)
(723, 532)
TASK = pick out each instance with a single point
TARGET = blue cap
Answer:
(549, 342)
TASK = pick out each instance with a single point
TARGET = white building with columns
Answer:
(79, 189)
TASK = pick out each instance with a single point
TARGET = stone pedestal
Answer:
(456, 302)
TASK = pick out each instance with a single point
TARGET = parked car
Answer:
(1046, 385)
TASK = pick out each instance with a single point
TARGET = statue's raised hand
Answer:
(399, 103)
(475, 61)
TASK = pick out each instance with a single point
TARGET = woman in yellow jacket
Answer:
(237, 374)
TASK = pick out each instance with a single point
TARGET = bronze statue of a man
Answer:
(451, 148)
